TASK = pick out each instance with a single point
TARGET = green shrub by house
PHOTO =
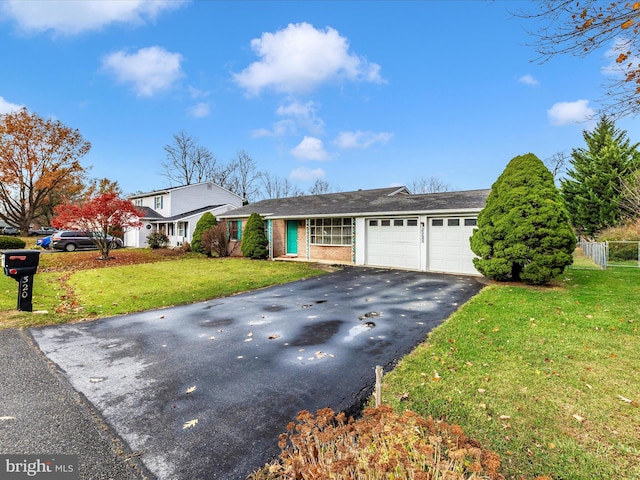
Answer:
(523, 232)
(7, 243)
(254, 239)
(207, 220)
(157, 240)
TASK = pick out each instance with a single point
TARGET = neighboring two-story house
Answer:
(175, 211)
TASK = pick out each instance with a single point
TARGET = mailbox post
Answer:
(21, 265)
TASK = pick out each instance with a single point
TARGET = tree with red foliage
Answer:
(101, 215)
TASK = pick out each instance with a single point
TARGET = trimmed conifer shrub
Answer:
(523, 232)
(254, 238)
(11, 243)
(207, 220)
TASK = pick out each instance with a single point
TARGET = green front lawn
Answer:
(68, 287)
(549, 378)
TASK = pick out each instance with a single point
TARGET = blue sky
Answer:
(362, 94)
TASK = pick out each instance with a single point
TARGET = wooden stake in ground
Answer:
(378, 391)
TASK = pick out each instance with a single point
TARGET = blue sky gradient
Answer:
(362, 94)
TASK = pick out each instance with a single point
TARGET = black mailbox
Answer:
(18, 263)
(22, 265)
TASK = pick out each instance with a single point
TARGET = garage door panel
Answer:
(449, 246)
(393, 244)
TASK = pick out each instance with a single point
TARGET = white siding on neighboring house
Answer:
(186, 199)
(172, 203)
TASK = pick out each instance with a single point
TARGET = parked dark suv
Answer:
(71, 240)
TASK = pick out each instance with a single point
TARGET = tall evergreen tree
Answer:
(254, 239)
(206, 221)
(523, 232)
(592, 191)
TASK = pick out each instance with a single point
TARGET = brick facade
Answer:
(341, 254)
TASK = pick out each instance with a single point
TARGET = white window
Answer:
(331, 231)
(182, 229)
(157, 202)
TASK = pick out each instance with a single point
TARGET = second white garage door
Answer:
(449, 249)
(393, 242)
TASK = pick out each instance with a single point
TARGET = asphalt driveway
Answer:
(202, 391)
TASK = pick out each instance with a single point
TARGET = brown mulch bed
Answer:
(65, 262)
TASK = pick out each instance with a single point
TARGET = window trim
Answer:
(235, 230)
(331, 231)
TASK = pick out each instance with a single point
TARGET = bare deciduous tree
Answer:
(245, 176)
(187, 162)
(320, 187)
(428, 185)
(630, 194)
(557, 164)
(277, 187)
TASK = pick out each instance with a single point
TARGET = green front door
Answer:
(292, 237)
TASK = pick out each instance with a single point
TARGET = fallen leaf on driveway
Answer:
(191, 389)
(190, 424)
(7, 418)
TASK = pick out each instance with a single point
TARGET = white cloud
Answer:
(528, 80)
(150, 70)
(71, 17)
(197, 93)
(304, 174)
(8, 107)
(304, 115)
(310, 149)
(279, 129)
(360, 139)
(564, 113)
(299, 58)
(299, 116)
(199, 110)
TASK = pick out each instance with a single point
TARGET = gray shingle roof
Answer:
(191, 212)
(152, 215)
(364, 202)
(149, 213)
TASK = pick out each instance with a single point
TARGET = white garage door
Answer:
(449, 249)
(393, 242)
